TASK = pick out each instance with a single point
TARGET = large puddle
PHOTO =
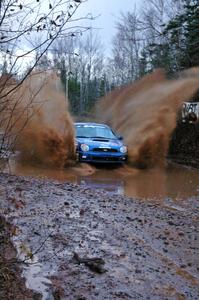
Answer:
(175, 182)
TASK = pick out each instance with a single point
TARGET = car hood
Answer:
(100, 142)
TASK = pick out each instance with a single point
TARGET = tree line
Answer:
(161, 33)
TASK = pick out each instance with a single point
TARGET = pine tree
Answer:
(183, 35)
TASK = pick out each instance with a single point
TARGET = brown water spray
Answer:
(145, 114)
(40, 122)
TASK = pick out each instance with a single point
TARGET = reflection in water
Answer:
(62, 175)
(101, 181)
(175, 181)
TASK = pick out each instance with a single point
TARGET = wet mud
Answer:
(149, 251)
(144, 113)
(37, 123)
(75, 242)
(171, 184)
(12, 285)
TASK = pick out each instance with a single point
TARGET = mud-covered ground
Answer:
(75, 243)
(12, 285)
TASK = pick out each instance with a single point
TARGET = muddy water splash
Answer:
(40, 121)
(145, 114)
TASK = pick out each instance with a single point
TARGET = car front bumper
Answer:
(101, 158)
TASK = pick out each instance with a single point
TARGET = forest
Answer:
(162, 34)
(157, 34)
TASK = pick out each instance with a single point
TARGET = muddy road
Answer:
(171, 184)
(79, 243)
(87, 233)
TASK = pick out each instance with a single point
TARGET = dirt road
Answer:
(76, 243)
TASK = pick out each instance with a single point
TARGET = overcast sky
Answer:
(109, 11)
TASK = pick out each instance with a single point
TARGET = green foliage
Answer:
(183, 35)
(74, 94)
(159, 56)
(103, 86)
(178, 44)
(143, 63)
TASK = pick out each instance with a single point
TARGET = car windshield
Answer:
(91, 131)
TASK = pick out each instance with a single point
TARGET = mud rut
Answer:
(148, 251)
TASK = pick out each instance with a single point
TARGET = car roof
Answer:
(91, 123)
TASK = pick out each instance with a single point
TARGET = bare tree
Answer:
(139, 44)
(31, 19)
(155, 14)
(126, 48)
(90, 64)
(80, 59)
(28, 28)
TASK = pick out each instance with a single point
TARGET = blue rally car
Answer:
(97, 143)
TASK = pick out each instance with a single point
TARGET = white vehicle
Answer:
(190, 112)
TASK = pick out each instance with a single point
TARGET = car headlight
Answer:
(123, 149)
(84, 147)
